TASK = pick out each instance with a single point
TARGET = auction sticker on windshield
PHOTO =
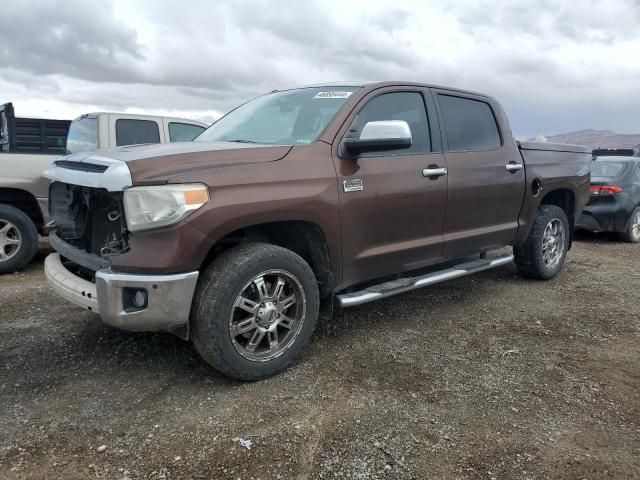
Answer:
(330, 95)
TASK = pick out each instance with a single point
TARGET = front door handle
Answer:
(434, 172)
(513, 167)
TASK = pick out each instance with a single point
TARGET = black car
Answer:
(614, 205)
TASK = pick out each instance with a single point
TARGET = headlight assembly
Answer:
(161, 205)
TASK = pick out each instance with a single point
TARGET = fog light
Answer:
(139, 299)
(134, 299)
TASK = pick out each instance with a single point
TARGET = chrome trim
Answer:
(513, 167)
(386, 129)
(115, 178)
(434, 172)
(394, 287)
(168, 306)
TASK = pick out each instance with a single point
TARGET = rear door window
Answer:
(407, 106)
(135, 132)
(184, 132)
(470, 124)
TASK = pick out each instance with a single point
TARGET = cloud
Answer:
(545, 60)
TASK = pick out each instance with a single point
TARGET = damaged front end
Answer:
(88, 224)
(90, 220)
(89, 228)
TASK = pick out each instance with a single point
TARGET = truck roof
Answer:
(140, 115)
(372, 85)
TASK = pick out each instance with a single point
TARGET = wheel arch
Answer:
(562, 195)
(25, 202)
(302, 237)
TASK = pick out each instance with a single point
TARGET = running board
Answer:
(401, 285)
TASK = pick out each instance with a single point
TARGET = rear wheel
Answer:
(632, 234)
(544, 252)
(18, 239)
(255, 309)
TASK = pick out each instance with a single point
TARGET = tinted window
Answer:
(470, 124)
(607, 169)
(83, 135)
(407, 106)
(134, 132)
(183, 132)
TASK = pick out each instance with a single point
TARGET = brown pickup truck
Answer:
(301, 199)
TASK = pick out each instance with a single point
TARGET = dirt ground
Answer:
(489, 376)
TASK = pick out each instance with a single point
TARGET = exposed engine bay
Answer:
(90, 219)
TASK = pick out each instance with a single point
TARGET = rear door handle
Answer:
(434, 172)
(513, 167)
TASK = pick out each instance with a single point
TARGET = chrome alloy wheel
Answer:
(553, 241)
(635, 225)
(10, 240)
(267, 315)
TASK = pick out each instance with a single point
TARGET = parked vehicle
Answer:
(614, 205)
(348, 192)
(615, 152)
(27, 148)
(30, 145)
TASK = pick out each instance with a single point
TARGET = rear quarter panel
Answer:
(556, 170)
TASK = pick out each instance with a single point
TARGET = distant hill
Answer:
(597, 139)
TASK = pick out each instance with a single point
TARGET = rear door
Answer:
(391, 214)
(485, 174)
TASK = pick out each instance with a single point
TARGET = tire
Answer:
(18, 239)
(541, 257)
(244, 354)
(632, 234)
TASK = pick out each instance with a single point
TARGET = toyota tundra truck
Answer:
(303, 199)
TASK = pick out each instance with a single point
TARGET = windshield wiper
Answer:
(241, 140)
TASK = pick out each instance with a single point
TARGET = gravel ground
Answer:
(489, 376)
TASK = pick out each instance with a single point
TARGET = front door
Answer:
(391, 213)
(486, 176)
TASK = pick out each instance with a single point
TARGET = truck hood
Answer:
(158, 163)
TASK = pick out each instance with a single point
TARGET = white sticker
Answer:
(354, 185)
(332, 94)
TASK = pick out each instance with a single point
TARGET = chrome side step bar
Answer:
(394, 287)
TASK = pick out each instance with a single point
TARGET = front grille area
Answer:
(89, 219)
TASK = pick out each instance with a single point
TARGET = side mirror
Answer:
(380, 136)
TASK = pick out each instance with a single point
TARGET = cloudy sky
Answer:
(556, 65)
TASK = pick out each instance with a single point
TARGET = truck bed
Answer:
(31, 135)
(553, 166)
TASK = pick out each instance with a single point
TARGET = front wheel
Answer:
(18, 239)
(544, 252)
(255, 309)
(632, 234)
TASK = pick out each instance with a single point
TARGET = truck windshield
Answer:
(280, 118)
(83, 135)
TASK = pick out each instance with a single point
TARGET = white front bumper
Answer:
(67, 285)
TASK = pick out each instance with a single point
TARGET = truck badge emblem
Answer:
(354, 185)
